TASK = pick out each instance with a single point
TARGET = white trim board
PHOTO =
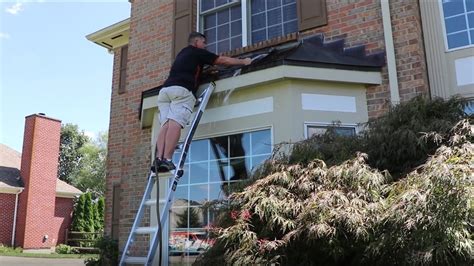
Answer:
(331, 103)
(238, 110)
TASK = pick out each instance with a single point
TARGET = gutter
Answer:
(391, 63)
(14, 217)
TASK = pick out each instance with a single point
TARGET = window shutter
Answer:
(311, 14)
(183, 24)
(123, 68)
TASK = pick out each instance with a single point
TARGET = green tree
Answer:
(71, 141)
(78, 221)
(90, 175)
(101, 212)
(89, 213)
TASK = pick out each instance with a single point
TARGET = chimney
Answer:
(39, 168)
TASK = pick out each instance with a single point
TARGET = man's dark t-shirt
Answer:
(187, 67)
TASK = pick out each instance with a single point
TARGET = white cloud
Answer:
(4, 35)
(15, 9)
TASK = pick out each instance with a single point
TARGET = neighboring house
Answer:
(36, 207)
(329, 61)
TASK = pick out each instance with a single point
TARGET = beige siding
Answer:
(440, 61)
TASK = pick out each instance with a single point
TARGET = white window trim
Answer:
(356, 127)
(445, 35)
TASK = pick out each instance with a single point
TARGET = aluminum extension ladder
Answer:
(156, 232)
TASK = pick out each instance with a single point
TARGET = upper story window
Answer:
(458, 18)
(230, 24)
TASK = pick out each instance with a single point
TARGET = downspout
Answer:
(390, 50)
(14, 217)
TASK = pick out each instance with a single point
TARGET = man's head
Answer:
(197, 39)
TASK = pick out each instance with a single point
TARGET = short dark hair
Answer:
(193, 35)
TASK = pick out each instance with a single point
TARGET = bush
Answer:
(108, 252)
(6, 249)
(65, 249)
(353, 214)
(392, 142)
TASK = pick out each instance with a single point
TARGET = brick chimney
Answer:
(39, 168)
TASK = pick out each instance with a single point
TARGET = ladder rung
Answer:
(145, 230)
(135, 260)
(150, 202)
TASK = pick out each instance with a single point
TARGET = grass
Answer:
(18, 252)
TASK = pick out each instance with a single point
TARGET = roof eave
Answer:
(113, 36)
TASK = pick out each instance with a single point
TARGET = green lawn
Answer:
(7, 251)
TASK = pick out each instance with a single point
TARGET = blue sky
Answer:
(48, 66)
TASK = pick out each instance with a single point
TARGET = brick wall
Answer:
(358, 21)
(39, 168)
(149, 59)
(63, 208)
(7, 207)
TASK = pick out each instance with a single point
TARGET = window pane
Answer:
(289, 12)
(199, 150)
(211, 35)
(217, 171)
(458, 40)
(258, 36)
(235, 13)
(223, 46)
(273, 3)
(219, 148)
(261, 142)
(207, 4)
(239, 145)
(210, 21)
(181, 196)
(472, 36)
(453, 7)
(258, 21)
(236, 42)
(273, 17)
(345, 131)
(238, 169)
(223, 16)
(179, 218)
(274, 31)
(216, 192)
(454, 24)
(223, 32)
(236, 28)
(198, 173)
(290, 27)
(221, 2)
(258, 160)
(470, 18)
(257, 6)
(196, 217)
(212, 47)
(469, 5)
(198, 194)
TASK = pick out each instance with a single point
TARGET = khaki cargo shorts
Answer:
(176, 103)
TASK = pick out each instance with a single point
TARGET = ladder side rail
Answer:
(179, 169)
(138, 217)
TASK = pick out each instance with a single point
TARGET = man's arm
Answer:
(229, 61)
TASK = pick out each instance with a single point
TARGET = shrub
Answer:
(65, 249)
(108, 252)
(352, 214)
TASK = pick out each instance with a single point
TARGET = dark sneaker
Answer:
(156, 164)
(166, 166)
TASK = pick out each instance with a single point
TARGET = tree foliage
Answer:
(71, 141)
(351, 213)
(90, 175)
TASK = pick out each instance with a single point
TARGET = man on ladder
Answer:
(178, 95)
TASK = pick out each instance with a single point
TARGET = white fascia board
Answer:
(274, 74)
(11, 190)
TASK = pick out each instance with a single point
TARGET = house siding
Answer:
(149, 59)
